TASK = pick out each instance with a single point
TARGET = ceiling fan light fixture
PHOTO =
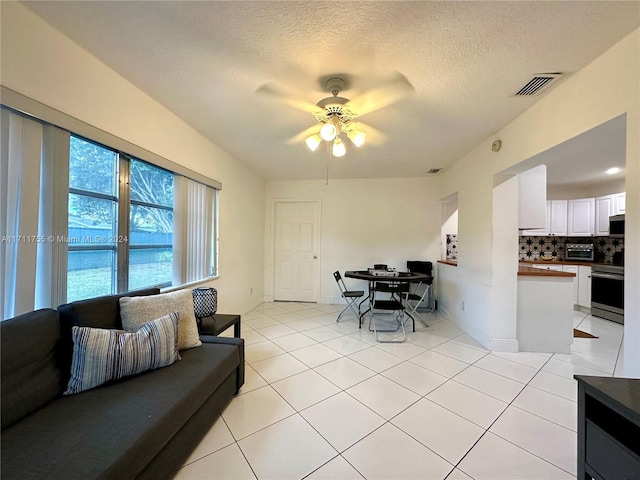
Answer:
(357, 137)
(328, 132)
(338, 149)
(313, 142)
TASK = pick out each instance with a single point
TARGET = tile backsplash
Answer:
(452, 246)
(532, 247)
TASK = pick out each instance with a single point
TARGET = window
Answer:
(107, 254)
(85, 219)
(150, 225)
(93, 214)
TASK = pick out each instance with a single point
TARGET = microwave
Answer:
(616, 226)
(579, 252)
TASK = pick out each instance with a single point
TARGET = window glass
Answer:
(92, 167)
(150, 226)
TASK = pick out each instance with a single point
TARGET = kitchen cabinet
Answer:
(556, 268)
(555, 220)
(573, 269)
(584, 286)
(581, 217)
(606, 206)
(619, 203)
(604, 209)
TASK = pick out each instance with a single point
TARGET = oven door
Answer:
(607, 295)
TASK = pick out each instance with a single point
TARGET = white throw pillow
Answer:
(135, 311)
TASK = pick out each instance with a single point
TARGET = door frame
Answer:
(271, 275)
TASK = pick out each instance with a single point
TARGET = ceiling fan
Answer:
(337, 116)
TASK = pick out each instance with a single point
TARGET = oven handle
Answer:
(610, 276)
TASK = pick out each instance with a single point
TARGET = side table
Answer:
(218, 323)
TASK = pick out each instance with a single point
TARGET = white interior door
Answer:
(296, 251)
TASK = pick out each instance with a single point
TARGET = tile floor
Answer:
(323, 400)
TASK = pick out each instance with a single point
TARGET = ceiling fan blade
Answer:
(381, 96)
(299, 138)
(374, 136)
(283, 95)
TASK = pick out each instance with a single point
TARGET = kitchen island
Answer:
(545, 310)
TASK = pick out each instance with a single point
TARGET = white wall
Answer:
(580, 103)
(41, 63)
(363, 221)
(595, 190)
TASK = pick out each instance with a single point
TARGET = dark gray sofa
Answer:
(140, 427)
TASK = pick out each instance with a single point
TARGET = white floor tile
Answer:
(305, 389)
(439, 363)
(507, 368)
(252, 380)
(260, 351)
(547, 440)
(459, 352)
(293, 421)
(471, 404)
(444, 432)
(383, 396)
(338, 468)
(293, 342)
(546, 405)
(492, 384)
(225, 464)
(346, 345)
(342, 420)
(289, 449)
(496, 459)
(375, 359)
(248, 413)
(561, 386)
(316, 355)
(414, 377)
(404, 350)
(389, 453)
(322, 334)
(275, 331)
(279, 367)
(216, 438)
(568, 370)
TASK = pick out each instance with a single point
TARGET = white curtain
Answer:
(30, 191)
(194, 230)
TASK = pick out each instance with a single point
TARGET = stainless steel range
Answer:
(607, 292)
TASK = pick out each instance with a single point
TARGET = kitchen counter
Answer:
(449, 261)
(537, 272)
(557, 262)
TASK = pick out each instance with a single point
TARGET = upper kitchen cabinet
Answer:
(619, 203)
(606, 206)
(581, 217)
(555, 220)
(532, 198)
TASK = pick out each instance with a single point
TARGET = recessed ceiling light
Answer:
(612, 171)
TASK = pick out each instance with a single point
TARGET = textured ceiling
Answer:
(205, 60)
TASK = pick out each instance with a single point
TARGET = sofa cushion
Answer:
(137, 310)
(30, 375)
(99, 312)
(100, 356)
(114, 431)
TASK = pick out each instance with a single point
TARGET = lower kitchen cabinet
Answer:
(608, 428)
(584, 286)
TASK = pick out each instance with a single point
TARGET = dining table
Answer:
(372, 276)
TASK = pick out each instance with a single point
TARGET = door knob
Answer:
(315, 257)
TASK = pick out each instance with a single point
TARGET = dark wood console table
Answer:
(608, 428)
(218, 323)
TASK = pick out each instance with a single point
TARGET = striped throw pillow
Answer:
(101, 355)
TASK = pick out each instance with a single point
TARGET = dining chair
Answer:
(350, 296)
(414, 298)
(393, 305)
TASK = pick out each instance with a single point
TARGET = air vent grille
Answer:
(433, 171)
(539, 82)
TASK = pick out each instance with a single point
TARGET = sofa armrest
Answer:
(239, 342)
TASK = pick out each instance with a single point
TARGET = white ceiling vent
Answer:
(433, 171)
(537, 84)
